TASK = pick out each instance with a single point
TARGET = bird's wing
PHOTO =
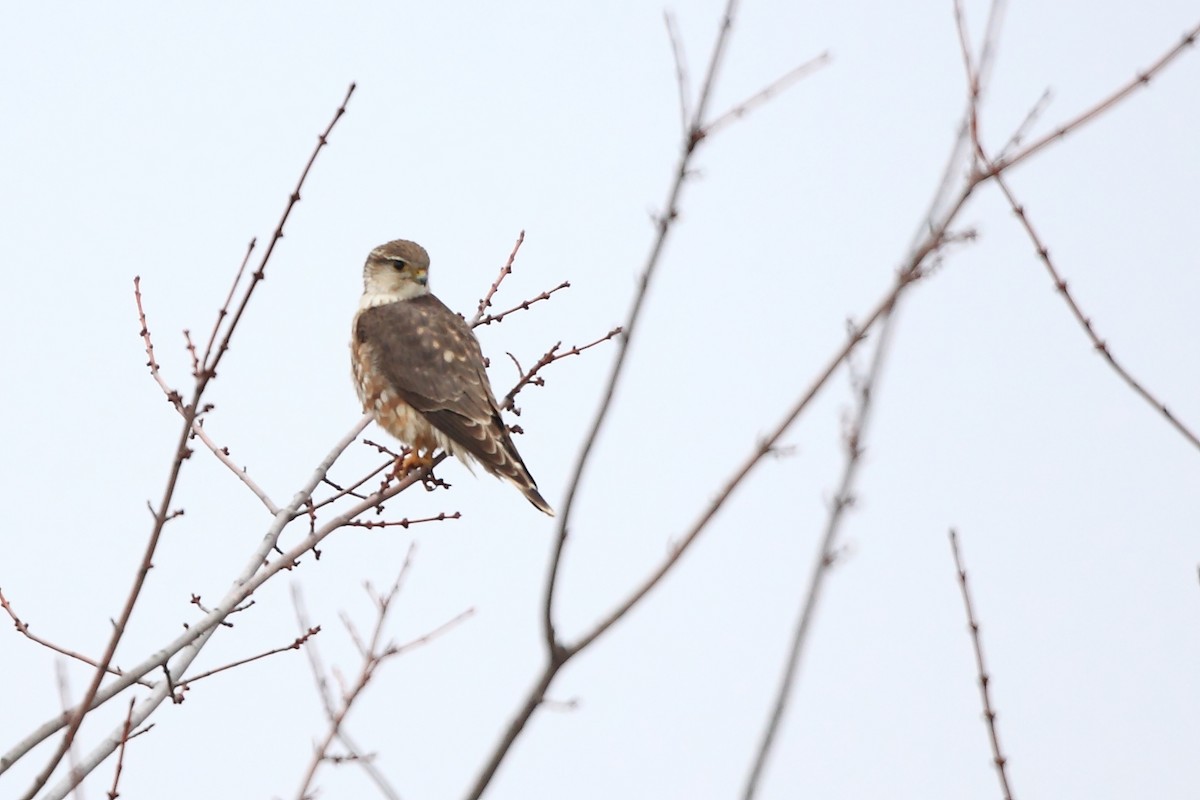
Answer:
(432, 359)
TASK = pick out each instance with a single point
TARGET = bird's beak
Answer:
(422, 277)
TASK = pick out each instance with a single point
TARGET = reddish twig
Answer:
(522, 306)
(402, 523)
(1142, 79)
(191, 348)
(23, 628)
(173, 396)
(505, 271)
(113, 794)
(257, 277)
(551, 355)
(1085, 322)
(223, 311)
(296, 644)
(984, 681)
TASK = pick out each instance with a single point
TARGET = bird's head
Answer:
(394, 271)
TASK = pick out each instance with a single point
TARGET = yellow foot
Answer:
(412, 459)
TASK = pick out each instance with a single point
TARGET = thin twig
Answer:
(296, 644)
(681, 75)
(402, 523)
(531, 376)
(223, 311)
(522, 306)
(113, 794)
(505, 271)
(1031, 118)
(318, 670)
(984, 681)
(779, 85)
(23, 628)
(222, 454)
(373, 654)
(826, 554)
(1142, 79)
(1085, 322)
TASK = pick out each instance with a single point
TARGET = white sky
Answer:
(146, 139)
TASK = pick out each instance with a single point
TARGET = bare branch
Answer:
(222, 454)
(296, 644)
(1139, 81)
(23, 628)
(522, 306)
(223, 311)
(551, 355)
(353, 750)
(1084, 320)
(113, 794)
(984, 681)
(826, 555)
(402, 523)
(759, 98)
(681, 76)
(374, 653)
(505, 271)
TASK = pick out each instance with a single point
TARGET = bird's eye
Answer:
(399, 264)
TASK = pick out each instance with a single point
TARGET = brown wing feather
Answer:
(410, 340)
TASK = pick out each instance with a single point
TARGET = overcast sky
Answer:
(155, 140)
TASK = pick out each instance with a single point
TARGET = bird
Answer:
(420, 372)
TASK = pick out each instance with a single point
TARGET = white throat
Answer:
(373, 296)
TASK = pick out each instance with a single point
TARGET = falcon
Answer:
(420, 372)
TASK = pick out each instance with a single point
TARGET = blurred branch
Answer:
(984, 681)
(681, 74)
(826, 554)
(318, 671)
(781, 84)
(374, 652)
(557, 652)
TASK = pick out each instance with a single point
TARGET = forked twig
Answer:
(531, 375)
(505, 271)
(1142, 79)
